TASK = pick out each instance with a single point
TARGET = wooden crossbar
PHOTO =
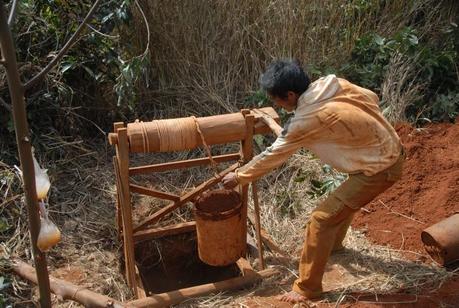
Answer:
(184, 199)
(183, 164)
(153, 192)
(164, 231)
(269, 121)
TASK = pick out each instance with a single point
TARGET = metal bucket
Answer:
(441, 240)
(219, 227)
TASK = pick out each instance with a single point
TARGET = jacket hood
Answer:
(320, 90)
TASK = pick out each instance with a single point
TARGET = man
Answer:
(342, 124)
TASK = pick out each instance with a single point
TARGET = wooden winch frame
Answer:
(249, 123)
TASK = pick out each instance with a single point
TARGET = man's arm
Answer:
(299, 131)
(269, 159)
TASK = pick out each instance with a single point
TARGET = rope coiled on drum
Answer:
(173, 134)
(176, 134)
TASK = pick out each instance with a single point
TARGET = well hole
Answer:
(173, 263)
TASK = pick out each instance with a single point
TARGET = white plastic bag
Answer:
(41, 178)
(49, 234)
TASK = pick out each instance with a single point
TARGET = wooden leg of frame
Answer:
(140, 288)
(122, 153)
(118, 219)
(247, 153)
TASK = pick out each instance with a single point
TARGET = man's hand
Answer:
(230, 180)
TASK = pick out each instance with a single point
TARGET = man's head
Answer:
(285, 81)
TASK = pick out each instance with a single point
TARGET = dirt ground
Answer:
(427, 193)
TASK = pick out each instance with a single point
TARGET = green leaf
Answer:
(66, 66)
(379, 40)
(413, 39)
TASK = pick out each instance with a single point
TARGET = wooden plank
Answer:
(258, 223)
(164, 231)
(118, 217)
(117, 125)
(183, 199)
(177, 296)
(269, 121)
(153, 192)
(245, 267)
(140, 288)
(122, 153)
(183, 164)
(247, 154)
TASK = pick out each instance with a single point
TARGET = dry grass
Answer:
(210, 53)
(82, 206)
(400, 87)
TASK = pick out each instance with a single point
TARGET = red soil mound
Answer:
(427, 193)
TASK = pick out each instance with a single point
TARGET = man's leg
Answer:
(321, 232)
(342, 234)
(329, 223)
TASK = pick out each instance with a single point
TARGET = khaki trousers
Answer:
(329, 222)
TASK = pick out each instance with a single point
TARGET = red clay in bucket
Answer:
(219, 226)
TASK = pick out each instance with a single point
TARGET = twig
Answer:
(37, 78)
(4, 104)
(400, 214)
(12, 15)
(392, 302)
(103, 34)
(147, 27)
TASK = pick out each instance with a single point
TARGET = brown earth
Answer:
(427, 193)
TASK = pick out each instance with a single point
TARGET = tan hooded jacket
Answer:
(339, 122)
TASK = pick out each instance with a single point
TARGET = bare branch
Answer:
(147, 26)
(37, 78)
(13, 10)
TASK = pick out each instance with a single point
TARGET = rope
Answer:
(176, 134)
(173, 134)
(145, 139)
(213, 164)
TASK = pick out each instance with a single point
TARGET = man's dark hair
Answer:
(282, 76)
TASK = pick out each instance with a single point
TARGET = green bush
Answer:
(434, 64)
(80, 91)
